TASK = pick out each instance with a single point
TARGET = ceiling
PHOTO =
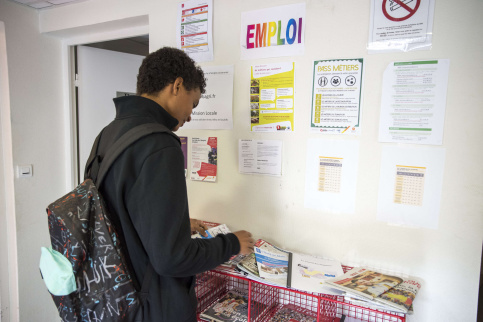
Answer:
(40, 4)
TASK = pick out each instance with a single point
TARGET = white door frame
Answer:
(68, 88)
(12, 312)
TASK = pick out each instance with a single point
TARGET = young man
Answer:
(145, 189)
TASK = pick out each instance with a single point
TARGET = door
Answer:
(102, 75)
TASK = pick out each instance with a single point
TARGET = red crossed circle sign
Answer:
(402, 6)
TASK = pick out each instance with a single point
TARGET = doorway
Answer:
(102, 71)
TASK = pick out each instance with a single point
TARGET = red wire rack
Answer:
(266, 300)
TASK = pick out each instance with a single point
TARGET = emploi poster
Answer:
(194, 29)
(337, 96)
(260, 157)
(214, 111)
(273, 32)
(400, 25)
(204, 158)
(272, 97)
(410, 186)
(413, 102)
(331, 175)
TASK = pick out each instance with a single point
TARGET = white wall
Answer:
(448, 258)
(35, 79)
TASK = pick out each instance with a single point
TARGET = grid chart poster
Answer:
(272, 97)
(413, 102)
(410, 186)
(331, 175)
(337, 96)
(330, 170)
(204, 159)
(194, 29)
(273, 32)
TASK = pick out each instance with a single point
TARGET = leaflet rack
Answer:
(212, 285)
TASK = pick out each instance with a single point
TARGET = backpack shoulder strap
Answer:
(124, 142)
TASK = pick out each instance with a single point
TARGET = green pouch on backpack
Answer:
(57, 272)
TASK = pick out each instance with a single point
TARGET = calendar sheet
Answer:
(410, 186)
(331, 175)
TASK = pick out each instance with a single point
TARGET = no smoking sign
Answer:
(400, 10)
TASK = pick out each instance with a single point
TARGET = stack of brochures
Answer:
(363, 286)
(272, 265)
(378, 290)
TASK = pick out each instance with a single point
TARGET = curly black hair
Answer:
(162, 67)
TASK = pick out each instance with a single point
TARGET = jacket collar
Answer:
(138, 106)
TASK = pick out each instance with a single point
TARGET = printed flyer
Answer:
(413, 102)
(204, 156)
(272, 97)
(337, 96)
(194, 29)
(214, 112)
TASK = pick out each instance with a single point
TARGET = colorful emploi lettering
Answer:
(263, 34)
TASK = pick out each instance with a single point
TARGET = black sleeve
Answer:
(158, 207)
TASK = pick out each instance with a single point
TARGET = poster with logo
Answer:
(337, 96)
(194, 29)
(214, 112)
(272, 97)
(273, 32)
(204, 159)
(400, 25)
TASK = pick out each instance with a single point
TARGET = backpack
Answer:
(87, 270)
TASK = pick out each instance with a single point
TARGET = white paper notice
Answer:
(214, 112)
(410, 186)
(414, 101)
(204, 159)
(273, 32)
(194, 29)
(260, 157)
(400, 25)
(331, 175)
(337, 96)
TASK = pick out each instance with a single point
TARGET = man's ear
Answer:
(177, 85)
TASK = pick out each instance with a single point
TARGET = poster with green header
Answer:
(272, 97)
(337, 96)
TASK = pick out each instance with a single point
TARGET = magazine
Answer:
(401, 297)
(233, 307)
(279, 267)
(292, 313)
(272, 262)
(364, 282)
(309, 273)
(249, 265)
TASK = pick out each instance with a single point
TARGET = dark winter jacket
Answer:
(145, 190)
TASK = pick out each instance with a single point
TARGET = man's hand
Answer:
(198, 227)
(246, 241)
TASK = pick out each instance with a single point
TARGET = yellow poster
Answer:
(272, 97)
